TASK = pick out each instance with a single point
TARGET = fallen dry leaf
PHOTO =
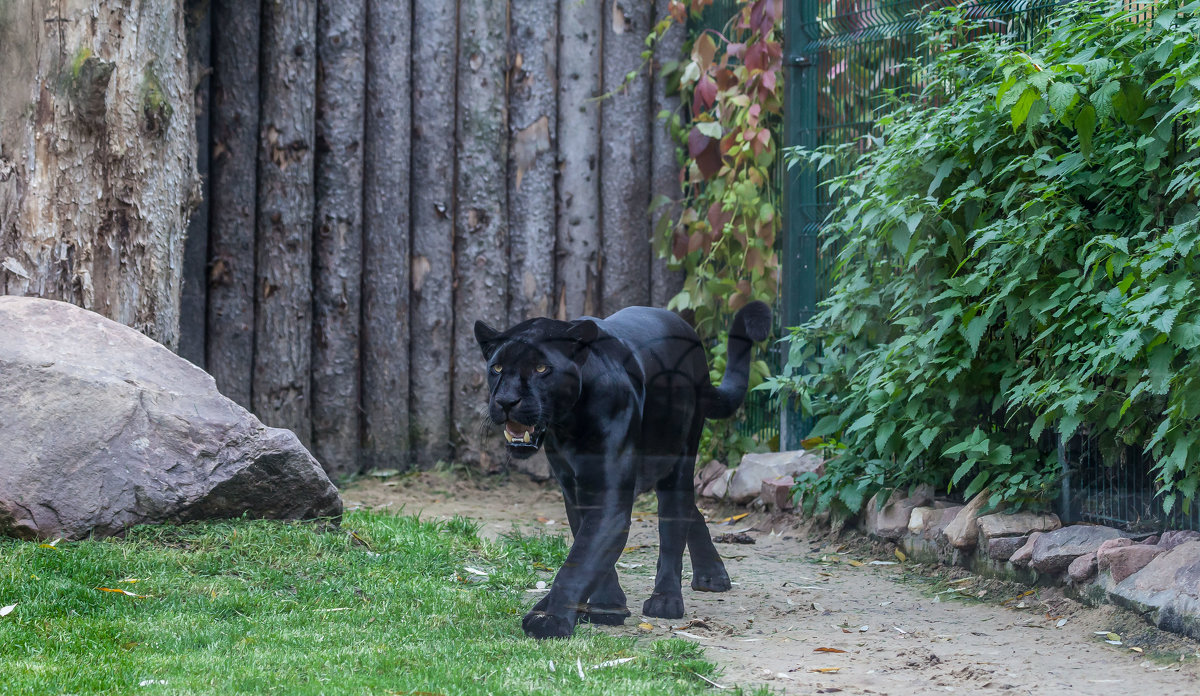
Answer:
(900, 554)
(5, 611)
(826, 670)
(645, 626)
(124, 592)
(856, 564)
(829, 650)
(1137, 650)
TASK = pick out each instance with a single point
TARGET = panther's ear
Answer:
(486, 336)
(583, 333)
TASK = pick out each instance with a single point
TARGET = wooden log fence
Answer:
(382, 174)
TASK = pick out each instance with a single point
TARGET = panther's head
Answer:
(533, 376)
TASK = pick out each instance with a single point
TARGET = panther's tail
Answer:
(752, 323)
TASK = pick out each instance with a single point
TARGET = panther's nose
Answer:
(507, 403)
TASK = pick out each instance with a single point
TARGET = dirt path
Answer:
(904, 629)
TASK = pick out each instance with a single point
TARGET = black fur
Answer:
(619, 404)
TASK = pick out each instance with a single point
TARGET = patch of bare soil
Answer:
(811, 613)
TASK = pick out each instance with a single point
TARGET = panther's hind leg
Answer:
(708, 571)
(675, 506)
(606, 605)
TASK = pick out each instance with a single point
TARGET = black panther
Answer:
(619, 404)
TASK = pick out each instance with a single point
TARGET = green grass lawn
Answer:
(264, 607)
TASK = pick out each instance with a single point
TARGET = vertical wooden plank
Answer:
(283, 320)
(386, 236)
(234, 181)
(625, 158)
(337, 245)
(432, 310)
(664, 175)
(577, 252)
(533, 121)
(481, 210)
(194, 293)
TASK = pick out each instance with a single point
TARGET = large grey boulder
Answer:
(1054, 551)
(1167, 590)
(102, 428)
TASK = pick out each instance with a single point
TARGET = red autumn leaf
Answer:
(706, 95)
(769, 80)
(704, 50)
(726, 79)
(735, 50)
(717, 219)
(678, 11)
(706, 152)
(753, 114)
(679, 245)
(756, 57)
(755, 261)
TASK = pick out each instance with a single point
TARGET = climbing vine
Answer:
(724, 237)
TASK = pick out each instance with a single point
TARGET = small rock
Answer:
(1054, 551)
(718, 487)
(755, 468)
(1023, 555)
(708, 474)
(1124, 559)
(892, 520)
(777, 493)
(1150, 540)
(1002, 548)
(963, 531)
(919, 517)
(1082, 568)
(1170, 540)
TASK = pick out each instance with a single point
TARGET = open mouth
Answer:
(521, 437)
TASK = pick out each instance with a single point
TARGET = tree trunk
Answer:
(481, 214)
(283, 321)
(194, 294)
(664, 182)
(577, 268)
(234, 150)
(432, 311)
(386, 235)
(625, 158)
(97, 156)
(533, 120)
(338, 254)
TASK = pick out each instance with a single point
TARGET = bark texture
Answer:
(194, 293)
(533, 120)
(625, 158)
(338, 253)
(283, 317)
(664, 172)
(433, 268)
(386, 236)
(97, 156)
(481, 211)
(234, 152)
(577, 257)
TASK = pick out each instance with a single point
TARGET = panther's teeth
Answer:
(508, 436)
(526, 438)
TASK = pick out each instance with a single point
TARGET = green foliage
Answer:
(383, 605)
(1015, 254)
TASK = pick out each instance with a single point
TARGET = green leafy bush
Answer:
(1016, 253)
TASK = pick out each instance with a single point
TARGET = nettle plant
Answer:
(724, 236)
(1016, 255)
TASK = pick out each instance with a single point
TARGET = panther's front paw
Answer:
(711, 582)
(605, 615)
(664, 606)
(539, 624)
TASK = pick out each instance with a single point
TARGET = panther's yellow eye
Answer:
(540, 369)
(497, 369)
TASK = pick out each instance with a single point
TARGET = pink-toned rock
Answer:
(891, 521)
(1170, 540)
(708, 474)
(1082, 568)
(777, 493)
(1023, 555)
(1123, 560)
(746, 482)
(963, 531)
(1150, 540)
(718, 487)
(1004, 524)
